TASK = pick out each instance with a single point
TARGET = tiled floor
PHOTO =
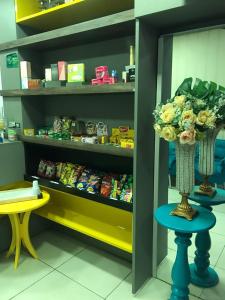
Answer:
(69, 269)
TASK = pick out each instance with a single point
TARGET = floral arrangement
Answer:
(191, 112)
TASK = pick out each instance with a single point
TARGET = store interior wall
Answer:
(199, 55)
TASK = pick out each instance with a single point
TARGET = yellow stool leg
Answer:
(16, 221)
(13, 242)
(25, 234)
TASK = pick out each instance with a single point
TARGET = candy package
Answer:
(66, 172)
(66, 124)
(94, 184)
(57, 124)
(50, 170)
(74, 175)
(84, 178)
(42, 168)
(106, 186)
(59, 168)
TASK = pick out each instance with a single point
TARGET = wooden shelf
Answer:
(104, 149)
(111, 26)
(66, 14)
(73, 191)
(78, 90)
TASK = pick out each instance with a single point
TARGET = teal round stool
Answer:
(201, 273)
(184, 229)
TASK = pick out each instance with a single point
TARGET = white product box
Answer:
(25, 69)
(48, 74)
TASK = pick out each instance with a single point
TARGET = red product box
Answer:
(102, 72)
(62, 70)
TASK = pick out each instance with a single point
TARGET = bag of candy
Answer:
(42, 168)
(94, 184)
(50, 170)
(84, 178)
(106, 186)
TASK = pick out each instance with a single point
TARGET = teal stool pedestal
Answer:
(183, 228)
(201, 274)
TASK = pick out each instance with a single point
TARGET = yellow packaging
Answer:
(127, 143)
(28, 131)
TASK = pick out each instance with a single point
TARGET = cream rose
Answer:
(188, 116)
(206, 117)
(168, 115)
(180, 100)
(157, 128)
(167, 106)
(169, 133)
(188, 137)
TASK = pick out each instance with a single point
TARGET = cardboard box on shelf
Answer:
(76, 72)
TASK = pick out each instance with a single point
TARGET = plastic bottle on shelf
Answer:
(36, 189)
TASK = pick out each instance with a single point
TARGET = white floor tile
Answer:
(97, 270)
(220, 208)
(218, 243)
(56, 286)
(153, 289)
(14, 281)
(55, 248)
(217, 292)
(165, 268)
(220, 223)
(221, 261)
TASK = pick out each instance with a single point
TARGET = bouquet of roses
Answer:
(191, 112)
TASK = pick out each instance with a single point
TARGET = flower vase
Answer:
(206, 161)
(184, 179)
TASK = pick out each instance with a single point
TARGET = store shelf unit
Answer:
(98, 42)
(54, 184)
(29, 12)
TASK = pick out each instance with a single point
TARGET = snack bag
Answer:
(50, 170)
(94, 184)
(106, 186)
(83, 180)
(75, 174)
(59, 168)
(42, 168)
(64, 178)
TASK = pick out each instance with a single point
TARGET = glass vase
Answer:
(206, 160)
(184, 178)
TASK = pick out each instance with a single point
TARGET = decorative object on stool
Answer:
(206, 161)
(204, 221)
(201, 273)
(184, 180)
(185, 118)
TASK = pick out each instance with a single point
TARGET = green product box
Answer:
(55, 74)
(76, 73)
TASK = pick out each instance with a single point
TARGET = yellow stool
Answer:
(19, 215)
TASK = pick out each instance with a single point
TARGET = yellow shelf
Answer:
(29, 13)
(104, 223)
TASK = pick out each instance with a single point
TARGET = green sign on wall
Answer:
(12, 60)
